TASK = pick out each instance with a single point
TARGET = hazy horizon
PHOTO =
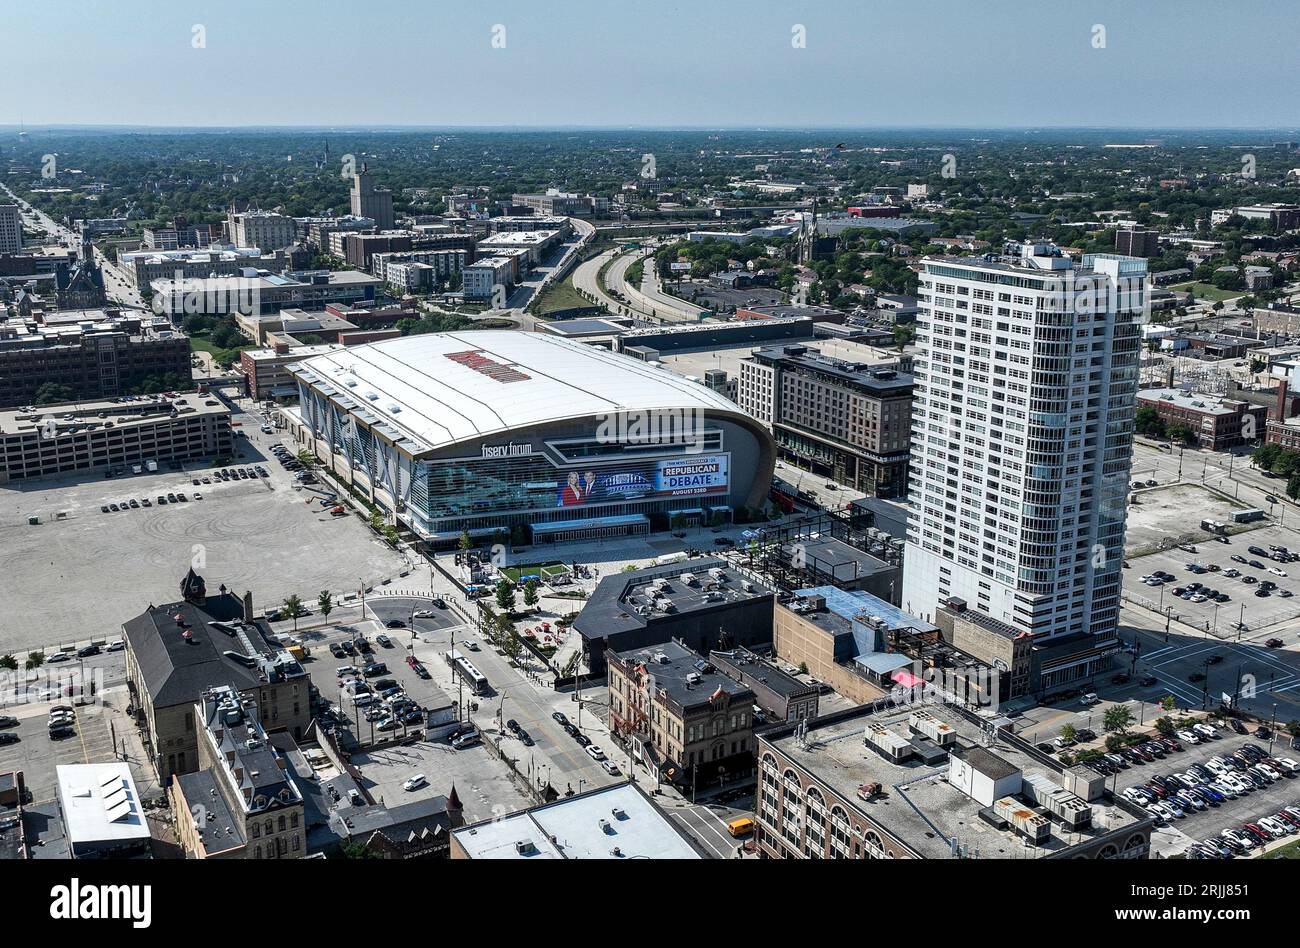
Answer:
(755, 65)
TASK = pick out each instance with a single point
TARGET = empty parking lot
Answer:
(81, 576)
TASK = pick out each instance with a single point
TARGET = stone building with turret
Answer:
(177, 652)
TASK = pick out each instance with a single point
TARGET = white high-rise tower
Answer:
(1022, 440)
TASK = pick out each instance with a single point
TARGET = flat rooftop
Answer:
(72, 417)
(1203, 404)
(634, 600)
(100, 803)
(919, 806)
(686, 679)
(616, 822)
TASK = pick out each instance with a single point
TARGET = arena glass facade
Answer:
(546, 474)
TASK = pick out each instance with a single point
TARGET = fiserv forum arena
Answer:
(489, 430)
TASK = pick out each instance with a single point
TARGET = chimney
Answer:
(248, 606)
(1282, 388)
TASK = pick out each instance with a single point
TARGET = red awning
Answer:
(906, 678)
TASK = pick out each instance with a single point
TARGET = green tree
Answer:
(1114, 743)
(1168, 703)
(1165, 726)
(325, 602)
(464, 543)
(357, 851)
(51, 393)
(35, 659)
(1148, 422)
(1069, 733)
(1117, 718)
(8, 662)
(505, 596)
(292, 607)
(530, 593)
(1181, 432)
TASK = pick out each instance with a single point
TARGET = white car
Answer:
(415, 783)
(423, 614)
(611, 768)
(115, 646)
(1270, 772)
(1205, 730)
(595, 752)
(345, 670)
(469, 644)
(1289, 766)
(1270, 826)
(1191, 737)
(1277, 572)
(57, 657)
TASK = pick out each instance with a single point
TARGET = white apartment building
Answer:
(486, 273)
(1022, 432)
(11, 229)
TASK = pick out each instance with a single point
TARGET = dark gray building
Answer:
(704, 603)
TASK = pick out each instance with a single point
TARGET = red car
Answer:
(1158, 790)
(1254, 829)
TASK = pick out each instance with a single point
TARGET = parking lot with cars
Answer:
(1251, 578)
(37, 737)
(1207, 781)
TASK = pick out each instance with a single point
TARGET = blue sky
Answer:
(1167, 63)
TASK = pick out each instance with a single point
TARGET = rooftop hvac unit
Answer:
(747, 586)
(1033, 826)
(1067, 807)
(923, 722)
(689, 579)
(889, 745)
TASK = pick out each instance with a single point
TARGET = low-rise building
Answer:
(266, 374)
(58, 439)
(682, 719)
(242, 802)
(616, 822)
(844, 639)
(102, 813)
(177, 652)
(1217, 423)
(262, 293)
(780, 696)
(421, 829)
(931, 782)
(705, 603)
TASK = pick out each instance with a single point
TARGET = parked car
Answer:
(594, 752)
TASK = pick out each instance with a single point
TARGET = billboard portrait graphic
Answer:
(675, 477)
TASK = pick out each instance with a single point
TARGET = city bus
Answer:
(461, 666)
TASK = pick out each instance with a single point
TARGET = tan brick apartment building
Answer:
(681, 716)
(242, 802)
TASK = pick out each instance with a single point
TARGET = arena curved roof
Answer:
(444, 388)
